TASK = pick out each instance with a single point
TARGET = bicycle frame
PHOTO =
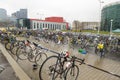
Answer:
(59, 63)
(62, 67)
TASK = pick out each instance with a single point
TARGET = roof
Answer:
(112, 4)
(117, 30)
(46, 21)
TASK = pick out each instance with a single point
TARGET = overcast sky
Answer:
(82, 10)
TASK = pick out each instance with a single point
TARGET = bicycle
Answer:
(23, 51)
(36, 55)
(60, 67)
(10, 45)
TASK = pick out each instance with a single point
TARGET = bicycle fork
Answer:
(56, 70)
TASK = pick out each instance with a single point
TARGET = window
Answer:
(43, 25)
(37, 25)
(48, 26)
(34, 26)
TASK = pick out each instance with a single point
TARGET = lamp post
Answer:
(99, 16)
(111, 21)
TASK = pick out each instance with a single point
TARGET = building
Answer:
(110, 16)
(50, 23)
(20, 14)
(76, 25)
(90, 25)
(3, 14)
(85, 25)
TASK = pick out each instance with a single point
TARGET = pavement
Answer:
(14, 65)
(7, 72)
(96, 68)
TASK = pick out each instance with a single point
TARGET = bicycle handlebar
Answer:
(64, 55)
(78, 59)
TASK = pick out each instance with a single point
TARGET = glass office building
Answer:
(110, 13)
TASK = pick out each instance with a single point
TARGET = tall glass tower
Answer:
(110, 12)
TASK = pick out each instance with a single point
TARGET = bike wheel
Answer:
(72, 73)
(14, 50)
(31, 57)
(11, 47)
(21, 54)
(7, 46)
(48, 68)
(40, 58)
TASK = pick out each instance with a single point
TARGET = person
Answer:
(100, 47)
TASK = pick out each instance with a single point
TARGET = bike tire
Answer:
(21, 54)
(14, 50)
(7, 46)
(47, 71)
(72, 73)
(40, 58)
(31, 57)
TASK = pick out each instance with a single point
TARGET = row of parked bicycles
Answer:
(111, 44)
(55, 67)
(58, 66)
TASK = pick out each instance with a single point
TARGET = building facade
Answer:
(22, 13)
(76, 25)
(85, 25)
(110, 16)
(50, 23)
(90, 25)
(3, 14)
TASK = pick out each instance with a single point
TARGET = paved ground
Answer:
(8, 73)
(111, 66)
(17, 69)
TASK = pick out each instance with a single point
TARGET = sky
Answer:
(70, 10)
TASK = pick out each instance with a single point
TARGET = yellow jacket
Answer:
(100, 46)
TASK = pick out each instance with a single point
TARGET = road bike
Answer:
(60, 67)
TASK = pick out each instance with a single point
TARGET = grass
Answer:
(94, 31)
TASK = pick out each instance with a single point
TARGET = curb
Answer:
(17, 69)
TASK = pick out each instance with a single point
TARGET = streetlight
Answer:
(99, 15)
(111, 27)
